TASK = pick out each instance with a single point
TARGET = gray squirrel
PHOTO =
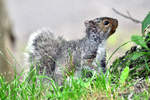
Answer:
(55, 56)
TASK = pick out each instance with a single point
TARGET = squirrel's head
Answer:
(101, 28)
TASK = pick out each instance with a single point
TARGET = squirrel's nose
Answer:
(115, 23)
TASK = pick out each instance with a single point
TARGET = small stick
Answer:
(127, 16)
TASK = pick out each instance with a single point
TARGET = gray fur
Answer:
(55, 56)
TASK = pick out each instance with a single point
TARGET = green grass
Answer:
(99, 87)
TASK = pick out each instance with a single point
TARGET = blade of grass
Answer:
(117, 50)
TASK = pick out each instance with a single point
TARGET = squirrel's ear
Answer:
(89, 23)
(86, 23)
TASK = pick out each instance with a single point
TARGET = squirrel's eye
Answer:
(106, 22)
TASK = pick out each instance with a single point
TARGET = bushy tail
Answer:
(41, 52)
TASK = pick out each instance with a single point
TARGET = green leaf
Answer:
(139, 40)
(145, 22)
(124, 75)
(137, 55)
(147, 66)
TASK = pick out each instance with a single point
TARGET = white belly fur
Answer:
(100, 54)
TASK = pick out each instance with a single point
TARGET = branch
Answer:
(127, 16)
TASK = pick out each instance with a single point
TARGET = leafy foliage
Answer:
(145, 22)
(139, 40)
(136, 58)
(124, 75)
